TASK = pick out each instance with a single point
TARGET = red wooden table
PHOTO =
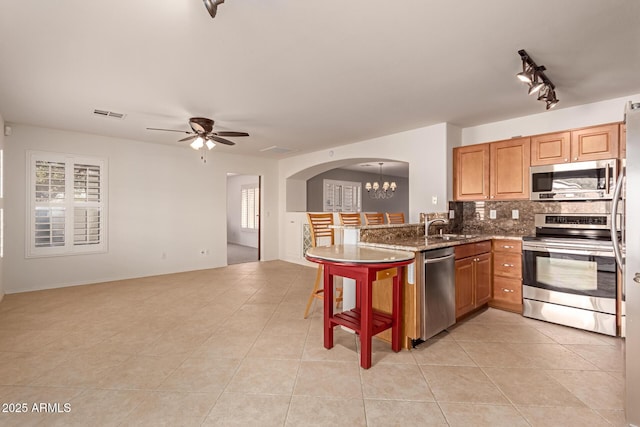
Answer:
(363, 319)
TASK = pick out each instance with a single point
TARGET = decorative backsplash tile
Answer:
(474, 217)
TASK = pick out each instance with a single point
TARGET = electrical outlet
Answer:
(515, 214)
(492, 214)
(434, 200)
(452, 214)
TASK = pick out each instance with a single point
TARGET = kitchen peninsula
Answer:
(473, 281)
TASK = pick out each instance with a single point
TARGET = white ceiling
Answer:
(304, 75)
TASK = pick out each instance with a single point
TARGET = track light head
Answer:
(526, 76)
(212, 6)
(535, 87)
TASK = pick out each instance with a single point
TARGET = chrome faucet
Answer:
(429, 223)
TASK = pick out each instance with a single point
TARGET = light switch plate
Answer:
(515, 214)
(434, 200)
(492, 214)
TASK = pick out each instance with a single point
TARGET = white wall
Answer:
(425, 149)
(235, 234)
(1, 202)
(162, 200)
(549, 121)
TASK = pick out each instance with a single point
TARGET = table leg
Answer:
(328, 307)
(366, 313)
(396, 328)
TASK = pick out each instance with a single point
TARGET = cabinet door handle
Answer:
(507, 290)
(507, 265)
(507, 246)
(566, 160)
(575, 158)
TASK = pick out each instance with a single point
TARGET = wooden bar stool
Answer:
(374, 218)
(350, 218)
(395, 217)
(319, 225)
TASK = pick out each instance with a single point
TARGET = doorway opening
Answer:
(243, 218)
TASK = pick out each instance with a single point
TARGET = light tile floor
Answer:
(229, 346)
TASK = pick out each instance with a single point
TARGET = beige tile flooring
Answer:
(229, 346)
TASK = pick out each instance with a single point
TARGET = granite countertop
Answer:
(419, 244)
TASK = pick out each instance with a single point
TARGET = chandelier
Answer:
(378, 191)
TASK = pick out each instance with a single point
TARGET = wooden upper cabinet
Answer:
(551, 148)
(594, 143)
(510, 161)
(471, 172)
(623, 141)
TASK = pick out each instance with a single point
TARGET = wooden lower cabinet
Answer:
(507, 275)
(473, 277)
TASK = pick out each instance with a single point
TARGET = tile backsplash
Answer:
(476, 218)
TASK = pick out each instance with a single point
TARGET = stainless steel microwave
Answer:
(593, 180)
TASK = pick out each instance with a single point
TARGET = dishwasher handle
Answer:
(439, 259)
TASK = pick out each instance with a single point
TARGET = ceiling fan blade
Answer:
(189, 138)
(170, 130)
(222, 140)
(229, 133)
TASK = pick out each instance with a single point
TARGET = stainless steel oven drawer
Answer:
(602, 305)
(569, 316)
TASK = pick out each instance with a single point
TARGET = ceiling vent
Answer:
(105, 113)
(276, 150)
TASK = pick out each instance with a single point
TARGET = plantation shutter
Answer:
(67, 204)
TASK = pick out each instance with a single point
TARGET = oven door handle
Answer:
(569, 251)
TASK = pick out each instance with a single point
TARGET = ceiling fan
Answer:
(202, 134)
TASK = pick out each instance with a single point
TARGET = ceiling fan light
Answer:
(210, 144)
(197, 143)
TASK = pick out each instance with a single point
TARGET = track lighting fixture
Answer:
(533, 75)
(212, 6)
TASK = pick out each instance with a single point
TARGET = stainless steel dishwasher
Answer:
(438, 292)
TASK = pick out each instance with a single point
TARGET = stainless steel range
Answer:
(569, 272)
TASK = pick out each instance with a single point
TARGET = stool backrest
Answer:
(319, 225)
(395, 217)
(350, 219)
(374, 218)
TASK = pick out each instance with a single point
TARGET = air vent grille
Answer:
(112, 114)
(276, 150)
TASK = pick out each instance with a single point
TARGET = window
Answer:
(250, 207)
(67, 204)
(342, 196)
